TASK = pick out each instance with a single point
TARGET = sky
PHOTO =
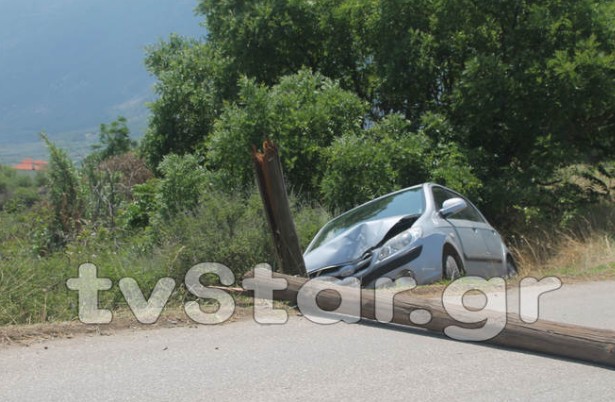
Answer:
(68, 65)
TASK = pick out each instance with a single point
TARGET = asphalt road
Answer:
(305, 361)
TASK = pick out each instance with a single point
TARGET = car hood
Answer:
(352, 244)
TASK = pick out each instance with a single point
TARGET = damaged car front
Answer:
(426, 232)
(382, 238)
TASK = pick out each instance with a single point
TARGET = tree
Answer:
(193, 82)
(64, 195)
(388, 157)
(114, 139)
(110, 171)
(268, 39)
(110, 184)
(303, 114)
(526, 88)
(181, 186)
(536, 99)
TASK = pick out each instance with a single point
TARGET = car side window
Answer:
(470, 213)
(439, 195)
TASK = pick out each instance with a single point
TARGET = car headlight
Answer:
(346, 271)
(399, 242)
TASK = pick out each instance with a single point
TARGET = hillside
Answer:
(66, 66)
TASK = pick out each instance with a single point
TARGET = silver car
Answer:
(426, 232)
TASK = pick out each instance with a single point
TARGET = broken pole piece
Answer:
(270, 180)
(557, 339)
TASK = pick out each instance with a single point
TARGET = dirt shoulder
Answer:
(123, 320)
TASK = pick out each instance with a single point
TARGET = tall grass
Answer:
(226, 229)
(585, 248)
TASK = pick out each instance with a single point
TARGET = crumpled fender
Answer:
(350, 245)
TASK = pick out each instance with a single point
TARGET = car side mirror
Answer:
(452, 206)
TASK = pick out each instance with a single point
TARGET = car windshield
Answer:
(408, 202)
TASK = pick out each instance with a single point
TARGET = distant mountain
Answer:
(68, 65)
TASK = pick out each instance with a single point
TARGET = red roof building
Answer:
(30, 164)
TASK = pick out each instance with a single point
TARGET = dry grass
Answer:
(585, 251)
(571, 258)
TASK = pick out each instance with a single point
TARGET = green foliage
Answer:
(64, 195)
(32, 291)
(308, 220)
(359, 168)
(109, 184)
(223, 228)
(268, 39)
(302, 114)
(527, 88)
(183, 183)
(19, 190)
(102, 178)
(388, 157)
(114, 140)
(144, 207)
(585, 82)
(102, 192)
(193, 82)
(21, 199)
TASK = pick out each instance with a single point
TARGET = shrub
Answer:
(183, 182)
(302, 114)
(388, 157)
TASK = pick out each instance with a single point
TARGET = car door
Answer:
(473, 232)
(494, 245)
(489, 236)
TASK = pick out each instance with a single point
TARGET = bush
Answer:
(65, 195)
(303, 114)
(21, 199)
(308, 220)
(110, 184)
(226, 229)
(183, 182)
(18, 190)
(388, 157)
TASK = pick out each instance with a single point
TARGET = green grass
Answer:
(226, 229)
(599, 272)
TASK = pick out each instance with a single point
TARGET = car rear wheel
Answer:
(452, 268)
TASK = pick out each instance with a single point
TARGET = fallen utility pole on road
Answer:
(546, 337)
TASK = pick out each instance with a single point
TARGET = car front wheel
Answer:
(452, 268)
